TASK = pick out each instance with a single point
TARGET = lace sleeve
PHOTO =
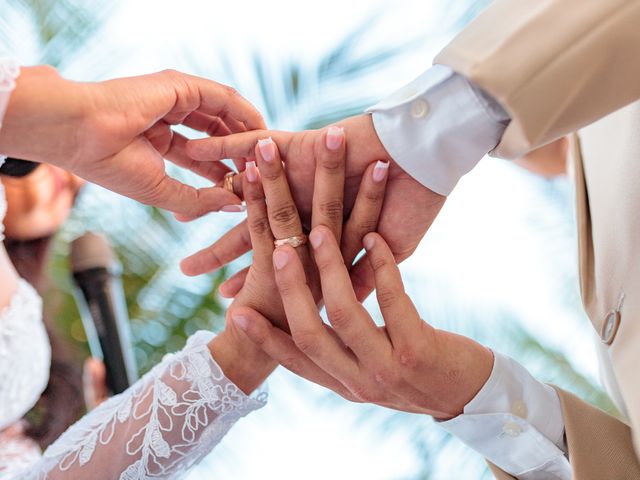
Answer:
(160, 427)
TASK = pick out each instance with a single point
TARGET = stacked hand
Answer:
(408, 211)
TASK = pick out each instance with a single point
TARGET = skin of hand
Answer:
(94, 383)
(406, 365)
(272, 214)
(408, 211)
(116, 133)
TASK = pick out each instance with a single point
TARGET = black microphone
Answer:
(100, 299)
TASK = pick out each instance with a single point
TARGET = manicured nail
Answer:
(267, 149)
(251, 171)
(368, 242)
(240, 320)
(335, 137)
(315, 238)
(280, 258)
(380, 171)
(233, 208)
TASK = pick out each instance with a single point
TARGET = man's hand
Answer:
(406, 365)
(408, 211)
(116, 133)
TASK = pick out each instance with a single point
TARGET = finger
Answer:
(258, 219)
(328, 188)
(216, 127)
(94, 380)
(233, 244)
(366, 210)
(283, 214)
(212, 98)
(307, 329)
(348, 317)
(171, 145)
(400, 315)
(233, 146)
(232, 286)
(362, 279)
(281, 347)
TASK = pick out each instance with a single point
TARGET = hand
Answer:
(406, 365)
(272, 214)
(116, 133)
(94, 383)
(408, 211)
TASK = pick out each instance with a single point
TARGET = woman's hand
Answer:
(272, 215)
(409, 207)
(116, 133)
(406, 365)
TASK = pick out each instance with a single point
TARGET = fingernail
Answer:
(267, 149)
(251, 171)
(315, 238)
(240, 320)
(335, 137)
(380, 171)
(233, 208)
(368, 242)
(280, 258)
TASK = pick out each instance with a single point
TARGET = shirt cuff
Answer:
(516, 423)
(438, 127)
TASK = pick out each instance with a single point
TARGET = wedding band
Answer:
(228, 181)
(295, 241)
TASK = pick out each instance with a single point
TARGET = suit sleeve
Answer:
(554, 65)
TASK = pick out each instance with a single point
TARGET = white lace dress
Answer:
(161, 426)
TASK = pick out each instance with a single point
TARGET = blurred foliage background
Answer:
(164, 307)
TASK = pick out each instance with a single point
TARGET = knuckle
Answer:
(387, 378)
(366, 226)
(307, 342)
(259, 225)
(231, 92)
(378, 262)
(407, 358)
(292, 363)
(387, 297)
(332, 164)
(374, 195)
(332, 209)
(363, 393)
(285, 215)
(339, 317)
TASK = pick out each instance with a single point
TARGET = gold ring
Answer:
(228, 181)
(295, 241)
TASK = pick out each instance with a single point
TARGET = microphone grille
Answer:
(91, 250)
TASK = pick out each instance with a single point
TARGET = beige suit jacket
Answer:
(559, 66)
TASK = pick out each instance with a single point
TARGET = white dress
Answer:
(160, 427)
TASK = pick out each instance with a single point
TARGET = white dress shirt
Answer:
(437, 129)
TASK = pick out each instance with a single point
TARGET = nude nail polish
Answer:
(380, 171)
(335, 137)
(233, 208)
(267, 149)
(251, 171)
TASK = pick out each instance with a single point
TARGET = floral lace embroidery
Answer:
(25, 354)
(159, 428)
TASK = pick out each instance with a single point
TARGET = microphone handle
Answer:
(104, 316)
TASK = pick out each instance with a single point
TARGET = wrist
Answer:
(44, 117)
(242, 362)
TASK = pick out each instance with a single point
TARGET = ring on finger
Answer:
(295, 241)
(228, 181)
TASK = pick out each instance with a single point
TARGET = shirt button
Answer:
(511, 429)
(519, 409)
(610, 327)
(419, 108)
